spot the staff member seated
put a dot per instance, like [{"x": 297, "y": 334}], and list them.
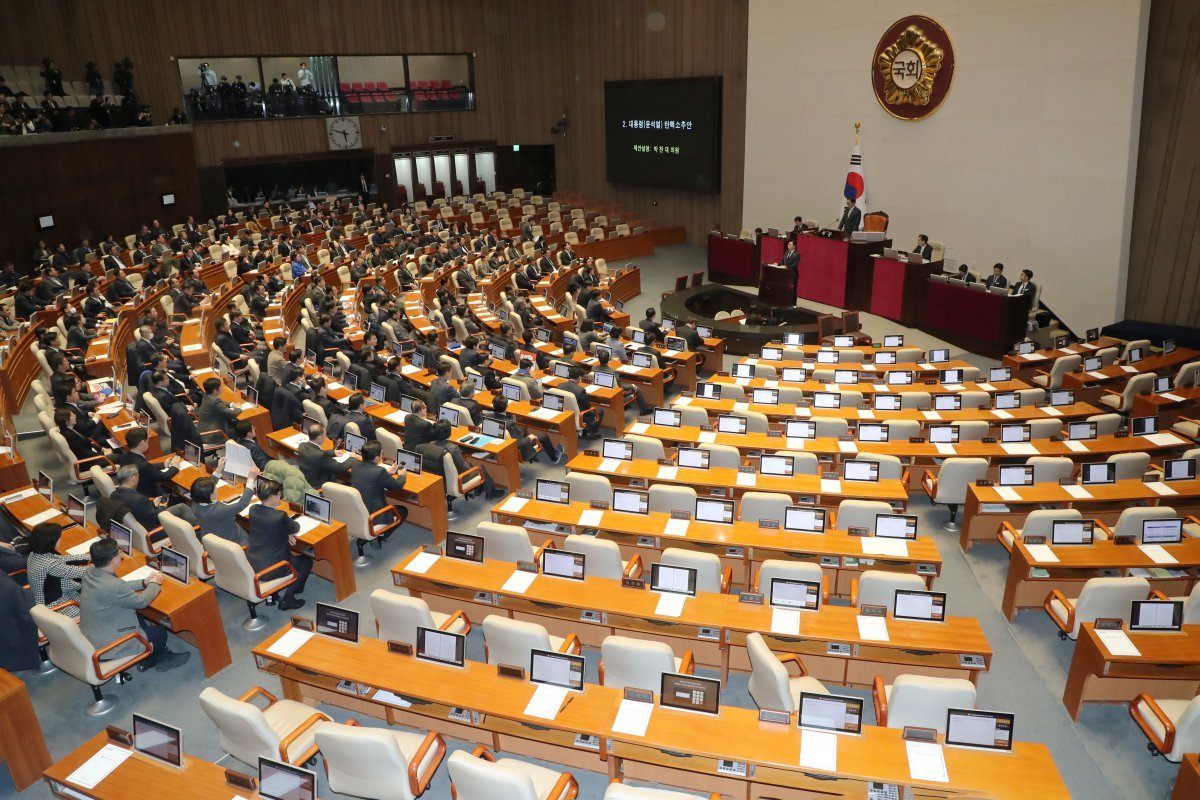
[
  {"x": 923, "y": 248},
  {"x": 144, "y": 509},
  {"x": 964, "y": 274},
  {"x": 996, "y": 280},
  {"x": 318, "y": 464}
]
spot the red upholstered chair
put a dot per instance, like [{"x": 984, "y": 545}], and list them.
[{"x": 697, "y": 279}]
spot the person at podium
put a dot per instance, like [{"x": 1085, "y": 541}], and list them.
[
  {"x": 996, "y": 280},
  {"x": 791, "y": 259},
  {"x": 851, "y": 217},
  {"x": 923, "y": 248},
  {"x": 964, "y": 274}
]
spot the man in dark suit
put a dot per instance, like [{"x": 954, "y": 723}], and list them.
[
  {"x": 244, "y": 435},
  {"x": 50, "y": 287},
  {"x": 923, "y": 248},
  {"x": 1025, "y": 285},
  {"x": 687, "y": 331},
  {"x": 527, "y": 443},
  {"x": 417, "y": 429},
  {"x": 650, "y": 323},
  {"x": 149, "y": 475},
  {"x": 791, "y": 259},
  {"x": 441, "y": 390},
  {"x": 214, "y": 414},
  {"x": 120, "y": 289},
  {"x": 545, "y": 264},
  {"x": 964, "y": 274},
  {"x": 144, "y": 509},
  {"x": 19, "y": 635},
  {"x": 373, "y": 481},
  {"x": 851, "y": 217},
  {"x": 318, "y": 464},
  {"x": 327, "y": 340},
  {"x": 25, "y": 306},
  {"x": 587, "y": 414},
  {"x": 996, "y": 280},
  {"x": 227, "y": 344},
  {"x": 355, "y": 414},
  {"x": 272, "y": 534},
  {"x": 797, "y": 228}
]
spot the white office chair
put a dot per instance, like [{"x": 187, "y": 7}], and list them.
[
  {"x": 505, "y": 542},
  {"x": 755, "y": 506},
  {"x": 479, "y": 776},
  {"x": 602, "y": 557},
  {"x": 1131, "y": 520},
  {"x": 102, "y": 481},
  {"x": 1134, "y": 344},
  {"x": 347, "y": 506},
  {"x": 1123, "y": 401},
  {"x": 1037, "y": 523},
  {"x": 919, "y": 701},
  {"x": 724, "y": 456},
  {"x": 771, "y": 687},
  {"x": 648, "y": 447},
  {"x": 1191, "y": 605},
  {"x": 398, "y": 615},
  {"x": 1053, "y": 378},
  {"x": 1050, "y": 469},
  {"x": 802, "y": 463},
  {"x": 1171, "y": 726},
  {"x": 774, "y": 568},
  {"x": 859, "y": 514},
  {"x": 972, "y": 430},
  {"x": 1100, "y": 597},
  {"x": 949, "y": 488},
  {"x": 691, "y": 417},
  {"x": 283, "y": 731},
  {"x": 587, "y": 488},
  {"x": 458, "y": 484},
  {"x": 182, "y": 538},
  {"x": 1106, "y": 424},
  {"x": 1130, "y": 466},
  {"x": 639, "y": 664},
  {"x": 234, "y": 574},
  {"x": 664, "y": 499},
  {"x": 878, "y": 588},
  {"x": 1044, "y": 428},
  {"x": 510, "y": 641},
  {"x": 1186, "y": 376},
  {"x": 367, "y": 762},
  {"x": 709, "y": 575},
  {"x": 891, "y": 468},
  {"x": 830, "y": 427}
]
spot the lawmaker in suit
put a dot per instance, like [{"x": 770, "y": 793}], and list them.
[
  {"x": 417, "y": 429},
  {"x": 221, "y": 518},
  {"x": 272, "y": 534},
  {"x": 1025, "y": 285},
  {"x": 144, "y": 509},
  {"x": 318, "y": 464},
  {"x": 923, "y": 248},
  {"x": 964, "y": 275},
  {"x": 214, "y": 414},
  {"x": 149, "y": 475},
  {"x": 19, "y": 636},
  {"x": 373, "y": 481},
  {"x": 791, "y": 259},
  {"x": 851, "y": 217},
  {"x": 996, "y": 280}
]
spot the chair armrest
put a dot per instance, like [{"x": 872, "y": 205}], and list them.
[
  {"x": 1168, "y": 740},
  {"x": 879, "y": 695},
  {"x": 1055, "y": 594},
  {"x": 1045, "y": 372},
  {"x": 1191, "y": 519},
  {"x": 112, "y": 646},
  {"x": 571, "y": 645},
  {"x": 929, "y": 483},
  {"x": 1104, "y": 527},
  {"x": 1007, "y": 526},
  {"x": 1113, "y": 391},
  {"x": 214, "y": 431},
  {"x": 854, "y": 592},
  {"x": 482, "y": 752},
  {"x": 82, "y": 466},
  {"x": 547, "y": 545},
  {"x": 687, "y": 664},
  {"x": 255, "y": 692},
  {"x": 417, "y": 784},
  {"x": 455, "y": 617},
  {"x": 1155, "y": 594},
  {"x": 755, "y": 581},
  {"x": 469, "y": 474},
  {"x": 905, "y": 476},
  {"x": 824, "y": 587},
  {"x": 636, "y": 561},
  {"x": 565, "y": 788},
  {"x": 64, "y": 604},
  {"x": 793, "y": 658},
  {"x": 726, "y": 580},
  {"x": 387, "y": 509},
  {"x": 287, "y": 741},
  {"x": 258, "y": 575}
]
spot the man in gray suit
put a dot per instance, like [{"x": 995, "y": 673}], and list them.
[
  {"x": 221, "y": 518},
  {"x": 108, "y": 609},
  {"x": 213, "y": 413}
]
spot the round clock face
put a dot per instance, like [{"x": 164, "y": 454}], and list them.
[{"x": 344, "y": 133}]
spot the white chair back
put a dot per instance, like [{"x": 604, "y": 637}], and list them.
[
  {"x": 504, "y": 542},
  {"x": 636, "y": 663}
]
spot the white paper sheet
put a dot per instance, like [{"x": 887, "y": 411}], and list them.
[
  {"x": 818, "y": 750},
  {"x": 676, "y": 527},
  {"x": 1031, "y": 356},
  {"x": 1164, "y": 439},
  {"x": 830, "y": 486},
  {"x": 953, "y": 387},
  {"x": 632, "y": 718},
  {"x": 670, "y": 604},
  {"x": 683, "y": 401},
  {"x": 1129, "y": 368},
  {"x": 796, "y": 444},
  {"x": 1157, "y": 554},
  {"x": 99, "y": 766},
  {"x": 1174, "y": 398},
  {"x": 544, "y": 413},
  {"x": 1052, "y": 411},
  {"x": 1117, "y": 643},
  {"x": 1041, "y": 553},
  {"x": 391, "y": 699},
  {"x": 875, "y": 546},
  {"x": 945, "y": 449},
  {"x": 747, "y": 479},
  {"x": 42, "y": 516},
  {"x": 307, "y": 525},
  {"x": 848, "y": 447},
  {"x": 1158, "y": 487},
  {"x": 872, "y": 629},
  {"x": 422, "y": 562},
  {"x": 290, "y": 642},
  {"x": 546, "y": 701},
  {"x": 667, "y": 473},
  {"x": 987, "y": 387},
  {"x": 591, "y": 517},
  {"x": 1097, "y": 374},
  {"x": 518, "y": 582},
  {"x": 1019, "y": 449},
  {"x": 931, "y": 415},
  {"x": 82, "y": 548},
  {"x": 295, "y": 440},
  {"x": 139, "y": 574},
  {"x": 610, "y": 464},
  {"x": 1001, "y": 413},
  {"x": 638, "y": 427},
  {"x": 926, "y": 762},
  {"x": 21, "y": 495},
  {"x": 1076, "y": 446},
  {"x": 1008, "y": 494},
  {"x": 743, "y": 382},
  {"x": 513, "y": 504},
  {"x": 1077, "y": 492},
  {"x": 785, "y": 621}
]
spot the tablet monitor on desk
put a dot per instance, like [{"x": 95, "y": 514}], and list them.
[
  {"x": 860, "y": 470},
  {"x": 493, "y": 426},
  {"x": 630, "y": 501},
  {"x": 845, "y": 376},
  {"x": 354, "y": 443},
  {"x": 174, "y": 565},
  {"x": 692, "y": 457},
  {"x": 1072, "y": 531},
  {"x": 668, "y": 324},
  {"x": 1081, "y": 431},
  {"x": 406, "y": 404},
  {"x": 511, "y": 392},
  {"x": 409, "y": 460},
  {"x": 122, "y": 536},
  {"x": 690, "y": 693},
  {"x": 554, "y": 402},
  {"x": 603, "y": 378},
  {"x": 639, "y": 360},
  {"x": 542, "y": 335},
  {"x": 828, "y": 357},
  {"x": 1162, "y": 531},
  {"x": 872, "y": 432},
  {"x": 950, "y": 376},
  {"x": 337, "y": 623},
  {"x": 899, "y": 377},
  {"x": 1026, "y": 347},
  {"x": 843, "y": 341},
  {"x": 556, "y": 669},
  {"x": 562, "y": 370},
  {"x": 943, "y": 434},
  {"x": 1156, "y": 615},
  {"x": 1016, "y": 475},
  {"x": 451, "y": 415},
  {"x": 1162, "y": 384},
  {"x": 771, "y": 354},
  {"x": 45, "y": 486},
  {"x": 498, "y": 351},
  {"x": 987, "y": 730},
  {"x": 279, "y": 781},
  {"x": 1007, "y": 400},
  {"x": 895, "y": 340},
  {"x": 350, "y": 381},
  {"x": 896, "y": 526},
  {"x": 804, "y": 519},
  {"x": 1143, "y": 426},
  {"x": 192, "y": 453},
  {"x": 731, "y": 423},
  {"x": 827, "y": 400},
  {"x": 1098, "y": 474},
  {"x": 464, "y": 547},
  {"x": 1135, "y": 355},
  {"x": 794, "y": 375},
  {"x": 441, "y": 647},
  {"x": 885, "y": 358},
  {"x": 711, "y": 510},
  {"x": 569, "y": 346},
  {"x": 679, "y": 343},
  {"x": 668, "y": 417},
  {"x": 1092, "y": 363},
  {"x": 676, "y": 580},
  {"x": 553, "y": 491},
  {"x": 708, "y": 391},
  {"x": 830, "y": 712},
  {"x": 921, "y": 606},
  {"x": 804, "y": 595},
  {"x": 639, "y": 335},
  {"x": 784, "y": 466},
  {"x": 793, "y": 339},
  {"x": 563, "y": 564},
  {"x": 1168, "y": 347},
  {"x": 251, "y": 395},
  {"x": 743, "y": 370},
  {"x": 999, "y": 375},
  {"x": 418, "y": 360},
  {"x": 1179, "y": 469},
  {"x": 886, "y": 402},
  {"x": 616, "y": 448},
  {"x": 158, "y": 740},
  {"x": 1015, "y": 433},
  {"x": 1062, "y": 397},
  {"x": 765, "y": 397},
  {"x": 76, "y": 509},
  {"x": 317, "y": 507},
  {"x": 799, "y": 429},
  {"x": 947, "y": 402},
  {"x": 940, "y": 356},
  {"x": 377, "y": 392}
]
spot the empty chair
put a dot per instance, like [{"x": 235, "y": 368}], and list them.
[
  {"x": 1044, "y": 428},
  {"x": 831, "y": 428},
  {"x": 919, "y": 701},
  {"x": 182, "y": 538},
  {"x": 283, "y": 731},
  {"x": 1130, "y": 466},
  {"x": 1123, "y": 401},
  {"x": 1172, "y": 727},
  {"x": 510, "y": 641},
  {"x": 589, "y": 488},
  {"x": 891, "y": 468},
  {"x": 1191, "y": 605},
  {"x": 859, "y": 514},
  {"x": 380, "y": 763},
  {"x": 709, "y": 575},
  {"x": 70, "y": 651},
  {"x": 1135, "y": 344},
  {"x": 1038, "y": 523},
  {"x": 691, "y": 417},
  {"x": 915, "y": 400},
  {"x": 234, "y": 574},
  {"x": 756, "y": 422},
  {"x": 802, "y": 463},
  {"x": 1053, "y": 378},
  {"x": 764, "y": 371},
  {"x": 1100, "y": 597},
  {"x": 1108, "y": 356},
  {"x": 774, "y": 568},
  {"x": 1049, "y": 469},
  {"x": 878, "y": 588},
  {"x": 755, "y": 506},
  {"x": 665, "y": 499},
  {"x": 479, "y": 776},
  {"x": 398, "y": 615},
  {"x": 648, "y": 447},
  {"x": 603, "y": 557},
  {"x": 771, "y": 687},
  {"x": 949, "y": 488},
  {"x": 1131, "y": 520},
  {"x": 458, "y": 484},
  {"x": 505, "y": 542},
  {"x": 638, "y": 663},
  {"x": 1106, "y": 424},
  {"x": 1031, "y": 397},
  {"x": 1186, "y": 376},
  {"x": 974, "y": 399},
  {"x": 723, "y": 455}
]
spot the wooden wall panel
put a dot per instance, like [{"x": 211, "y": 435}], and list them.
[{"x": 1164, "y": 258}]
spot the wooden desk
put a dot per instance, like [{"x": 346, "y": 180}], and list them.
[
  {"x": 722, "y": 482},
  {"x": 1025, "y": 366},
  {"x": 1168, "y": 406},
  {"x": 898, "y": 288},
  {"x": 1187, "y": 785},
  {"x": 1077, "y": 563},
  {"x": 22, "y": 746},
  {"x": 869, "y": 388},
  {"x": 836, "y": 272},
  {"x": 1089, "y": 386},
  {"x": 1168, "y": 667},
  {"x": 974, "y": 319},
  {"x": 712, "y": 625},
  {"x": 1106, "y": 504},
  {"x": 743, "y": 545}
]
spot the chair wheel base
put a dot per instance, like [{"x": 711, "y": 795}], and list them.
[
  {"x": 362, "y": 560},
  {"x": 46, "y": 667},
  {"x": 951, "y": 526},
  {"x": 451, "y": 515},
  {"x": 98, "y": 708},
  {"x": 254, "y": 624}
]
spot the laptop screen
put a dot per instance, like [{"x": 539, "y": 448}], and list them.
[
  {"x": 690, "y": 693},
  {"x": 804, "y": 595},
  {"x": 677, "y": 580},
  {"x": 805, "y": 519},
  {"x": 556, "y": 669},
  {"x": 985, "y": 729},
  {"x": 895, "y": 526},
  {"x": 718, "y": 511},
  {"x": 464, "y": 546},
  {"x": 924, "y": 606},
  {"x": 630, "y": 501},
  {"x": 337, "y": 623},
  {"x": 553, "y": 491},
  {"x": 1156, "y": 615},
  {"x": 441, "y": 647},
  {"x": 830, "y": 712}
]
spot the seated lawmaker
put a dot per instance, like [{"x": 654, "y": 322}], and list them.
[
  {"x": 144, "y": 509},
  {"x": 996, "y": 280},
  {"x": 964, "y": 274},
  {"x": 221, "y": 518}
]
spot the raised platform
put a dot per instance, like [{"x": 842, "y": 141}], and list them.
[{"x": 764, "y": 323}]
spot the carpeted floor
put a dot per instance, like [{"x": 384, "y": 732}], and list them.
[{"x": 1103, "y": 756}]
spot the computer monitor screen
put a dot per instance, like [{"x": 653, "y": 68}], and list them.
[
  {"x": 799, "y": 429},
  {"x": 378, "y": 392},
  {"x": 76, "y": 509},
  {"x": 1156, "y": 615},
  {"x": 604, "y": 378},
  {"x": 441, "y": 646},
  {"x": 872, "y": 432},
  {"x": 793, "y": 339},
  {"x": 895, "y": 526},
  {"x": 1081, "y": 431},
  {"x": 563, "y": 564},
  {"x": 511, "y": 392},
  {"x": 719, "y": 511},
  {"x": 1179, "y": 469},
  {"x": 939, "y": 356},
  {"x": 845, "y": 376},
  {"x": 704, "y": 331},
  {"x": 984, "y": 729},
  {"x": 885, "y": 358},
  {"x": 895, "y": 340},
  {"x": 886, "y": 402},
  {"x": 765, "y": 397},
  {"x": 497, "y": 350},
  {"x": 708, "y": 391},
  {"x": 777, "y": 465},
  {"x": 1015, "y": 433},
  {"x": 794, "y": 375},
  {"x": 317, "y": 507},
  {"x": 1168, "y": 347},
  {"x": 449, "y": 414},
  {"x": 900, "y": 377},
  {"x": 678, "y": 342},
  {"x": 158, "y": 740},
  {"x": 677, "y": 580},
  {"x": 354, "y": 442},
  {"x": 45, "y": 486},
  {"x": 553, "y": 491},
  {"x": 542, "y": 334},
  {"x": 350, "y": 381},
  {"x": 999, "y": 374},
  {"x": 828, "y": 357},
  {"x": 924, "y": 606},
  {"x": 1016, "y": 475},
  {"x": 640, "y": 360},
  {"x": 827, "y": 400},
  {"x": 856, "y": 470},
  {"x": 630, "y": 501},
  {"x": 278, "y": 781},
  {"x": 693, "y": 457},
  {"x": 337, "y": 623},
  {"x": 464, "y": 546},
  {"x": 418, "y": 359},
  {"x": 409, "y": 460},
  {"x": 122, "y": 536},
  {"x": 787, "y": 593},
  {"x": 639, "y": 336},
  {"x": 951, "y": 376},
  {"x": 1072, "y": 531},
  {"x": 690, "y": 693},
  {"x": 1162, "y": 384},
  {"x": 730, "y": 423},
  {"x": 668, "y": 324},
  {"x": 943, "y": 434},
  {"x": 743, "y": 370},
  {"x": 615, "y": 448},
  {"x": 556, "y": 669},
  {"x": 1135, "y": 355},
  {"x": 1008, "y": 400},
  {"x": 1162, "y": 531},
  {"x": 1062, "y": 397},
  {"x": 491, "y": 426},
  {"x": 843, "y": 341},
  {"x": 406, "y": 404},
  {"x": 562, "y": 370},
  {"x": 772, "y": 354},
  {"x": 1026, "y": 347},
  {"x": 830, "y": 712},
  {"x": 668, "y": 417},
  {"x": 192, "y": 453},
  {"x": 1143, "y": 426},
  {"x": 251, "y": 395},
  {"x": 173, "y": 564},
  {"x": 1098, "y": 473},
  {"x": 804, "y": 519},
  {"x": 1092, "y": 363}
]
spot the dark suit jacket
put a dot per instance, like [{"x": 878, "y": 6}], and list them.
[
  {"x": 319, "y": 466},
  {"x": 851, "y": 219},
  {"x": 791, "y": 259},
  {"x": 372, "y": 482},
  {"x": 1024, "y": 288},
  {"x": 19, "y": 634},
  {"x": 268, "y": 534},
  {"x": 417, "y": 431},
  {"x": 925, "y": 252},
  {"x": 996, "y": 281},
  {"x": 142, "y": 507},
  {"x": 149, "y": 475}
]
